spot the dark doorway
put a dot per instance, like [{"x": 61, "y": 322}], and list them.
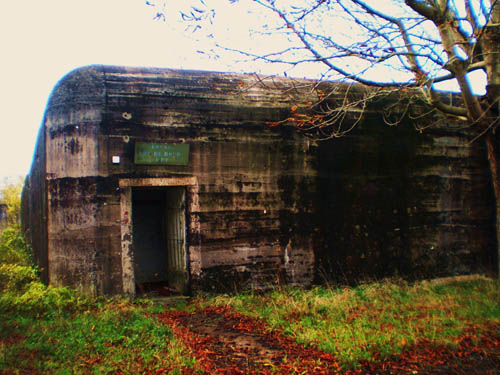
[{"x": 159, "y": 239}]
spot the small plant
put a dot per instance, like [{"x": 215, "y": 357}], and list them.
[
  {"x": 10, "y": 195},
  {"x": 47, "y": 330},
  {"x": 58, "y": 331},
  {"x": 13, "y": 247},
  {"x": 376, "y": 320}
]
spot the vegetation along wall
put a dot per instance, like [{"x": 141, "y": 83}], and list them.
[
  {"x": 3, "y": 216},
  {"x": 174, "y": 181}
]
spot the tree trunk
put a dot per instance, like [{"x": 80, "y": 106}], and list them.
[
  {"x": 493, "y": 155},
  {"x": 491, "y": 51}
]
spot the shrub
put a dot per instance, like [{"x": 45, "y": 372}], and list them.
[
  {"x": 16, "y": 278},
  {"x": 13, "y": 247},
  {"x": 11, "y": 196}
]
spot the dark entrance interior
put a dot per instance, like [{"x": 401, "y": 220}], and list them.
[{"x": 158, "y": 225}]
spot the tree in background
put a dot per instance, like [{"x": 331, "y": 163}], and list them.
[
  {"x": 13, "y": 247},
  {"x": 387, "y": 46},
  {"x": 10, "y": 195}
]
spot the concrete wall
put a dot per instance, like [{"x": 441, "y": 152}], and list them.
[
  {"x": 265, "y": 203},
  {"x": 34, "y": 207},
  {"x": 403, "y": 203}
]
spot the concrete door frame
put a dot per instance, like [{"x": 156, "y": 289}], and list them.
[{"x": 193, "y": 261}]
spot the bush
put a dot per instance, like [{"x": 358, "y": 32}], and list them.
[
  {"x": 13, "y": 247},
  {"x": 16, "y": 278},
  {"x": 22, "y": 292},
  {"x": 59, "y": 331},
  {"x": 11, "y": 196}
]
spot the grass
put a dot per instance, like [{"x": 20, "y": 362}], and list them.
[
  {"x": 45, "y": 330},
  {"x": 13, "y": 248},
  {"x": 48, "y": 330},
  {"x": 376, "y": 320}
]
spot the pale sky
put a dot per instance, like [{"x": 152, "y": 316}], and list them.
[{"x": 42, "y": 40}]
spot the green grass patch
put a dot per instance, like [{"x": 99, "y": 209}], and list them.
[
  {"x": 46, "y": 330},
  {"x": 13, "y": 247},
  {"x": 376, "y": 320}
]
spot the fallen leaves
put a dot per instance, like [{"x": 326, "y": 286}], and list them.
[
  {"x": 269, "y": 351},
  {"x": 226, "y": 342}
]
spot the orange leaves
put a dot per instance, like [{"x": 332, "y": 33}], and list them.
[
  {"x": 273, "y": 123},
  {"x": 299, "y": 119},
  {"x": 477, "y": 351},
  {"x": 216, "y": 355}
]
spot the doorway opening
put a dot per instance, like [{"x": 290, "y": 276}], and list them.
[{"x": 159, "y": 240}]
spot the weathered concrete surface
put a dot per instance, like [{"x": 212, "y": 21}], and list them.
[
  {"x": 267, "y": 205},
  {"x": 404, "y": 203},
  {"x": 34, "y": 207}
]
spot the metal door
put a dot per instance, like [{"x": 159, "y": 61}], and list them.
[
  {"x": 150, "y": 256},
  {"x": 175, "y": 237}
]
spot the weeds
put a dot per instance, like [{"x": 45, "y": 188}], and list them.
[
  {"x": 13, "y": 247},
  {"x": 376, "y": 320},
  {"x": 46, "y": 330}
]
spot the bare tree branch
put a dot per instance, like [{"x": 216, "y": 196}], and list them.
[{"x": 419, "y": 43}]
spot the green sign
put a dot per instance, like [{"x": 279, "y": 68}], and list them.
[{"x": 161, "y": 153}]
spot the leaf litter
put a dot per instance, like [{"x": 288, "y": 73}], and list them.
[{"x": 227, "y": 342}]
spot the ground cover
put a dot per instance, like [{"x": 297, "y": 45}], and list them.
[
  {"x": 378, "y": 328},
  {"x": 227, "y": 342},
  {"x": 375, "y": 320},
  {"x": 385, "y": 327},
  {"x": 46, "y": 330}
]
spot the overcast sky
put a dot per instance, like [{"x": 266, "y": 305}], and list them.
[{"x": 42, "y": 40}]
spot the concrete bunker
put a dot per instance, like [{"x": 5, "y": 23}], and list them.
[
  {"x": 159, "y": 240},
  {"x": 173, "y": 181},
  {"x": 155, "y": 214}
]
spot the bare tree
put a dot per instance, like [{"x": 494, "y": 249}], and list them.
[{"x": 388, "y": 46}]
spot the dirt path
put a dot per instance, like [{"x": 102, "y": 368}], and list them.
[{"x": 225, "y": 342}]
